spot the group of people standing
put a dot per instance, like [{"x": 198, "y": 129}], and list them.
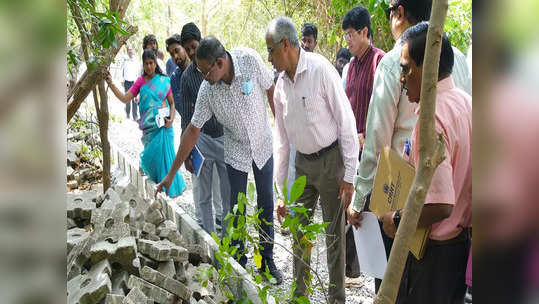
[{"x": 331, "y": 121}]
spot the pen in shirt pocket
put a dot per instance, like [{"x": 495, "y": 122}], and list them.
[{"x": 303, "y": 99}]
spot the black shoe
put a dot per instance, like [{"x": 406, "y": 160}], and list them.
[{"x": 272, "y": 269}]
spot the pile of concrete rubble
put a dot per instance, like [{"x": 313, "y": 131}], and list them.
[{"x": 121, "y": 249}]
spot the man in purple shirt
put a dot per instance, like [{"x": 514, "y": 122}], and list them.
[{"x": 360, "y": 72}]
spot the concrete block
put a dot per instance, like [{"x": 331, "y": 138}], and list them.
[
  {"x": 146, "y": 261},
  {"x": 165, "y": 228},
  {"x": 81, "y": 205},
  {"x": 180, "y": 272},
  {"x": 167, "y": 268},
  {"x": 175, "y": 237},
  {"x": 154, "y": 216},
  {"x": 163, "y": 251},
  {"x": 75, "y": 237},
  {"x": 114, "y": 299},
  {"x": 135, "y": 296},
  {"x": 113, "y": 196},
  {"x": 70, "y": 223},
  {"x": 91, "y": 287},
  {"x": 119, "y": 282},
  {"x": 123, "y": 252},
  {"x": 153, "y": 292},
  {"x": 148, "y": 228},
  {"x": 150, "y": 237},
  {"x": 111, "y": 224},
  {"x": 169, "y": 284}
]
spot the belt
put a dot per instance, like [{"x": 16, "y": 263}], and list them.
[{"x": 317, "y": 155}]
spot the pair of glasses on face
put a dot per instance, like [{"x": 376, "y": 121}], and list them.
[
  {"x": 389, "y": 10},
  {"x": 205, "y": 76},
  {"x": 349, "y": 35},
  {"x": 271, "y": 49}
]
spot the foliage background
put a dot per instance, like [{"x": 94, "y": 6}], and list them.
[{"x": 243, "y": 22}]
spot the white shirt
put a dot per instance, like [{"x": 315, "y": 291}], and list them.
[
  {"x": 312, "y": 112},
  {"x": 130, "y": 69},
  {"x": 391, "y": 116},
  {"x": 242, "y": 112}
]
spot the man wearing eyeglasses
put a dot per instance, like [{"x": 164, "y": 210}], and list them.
[
  {"x": 210, "y": 186},
  {"x": 313, "y": 115},
  {"x": 359, "y": 73},
  {"x": 391, "y": 117},
  {"x": 234, "y": 88}
]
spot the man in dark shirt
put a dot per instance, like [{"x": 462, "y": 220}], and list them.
[
  {"x": 181, "y": 61},
  {"x": 210, "y": 142}
]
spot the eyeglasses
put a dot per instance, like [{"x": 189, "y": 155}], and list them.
[
  {"x": 209, "y": 71},
  {"x": 349, "y": 35},
  {"x": 389, "y": 10},
  {"x": 271, "y": 49}
]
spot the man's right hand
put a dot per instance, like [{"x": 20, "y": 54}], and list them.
[
  {"x": 354, "y": 217},
  {"x": 166, "y": 182},
  {"x": 281, "y": 211},
  {"x": 189, "y": 165}
]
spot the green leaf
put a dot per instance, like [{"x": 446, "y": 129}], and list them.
[
  {"x": 251, "y": 192},
  {"x": 298, "y": 187}
]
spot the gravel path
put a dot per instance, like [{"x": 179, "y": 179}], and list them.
[{"x": 125, "y": 134}]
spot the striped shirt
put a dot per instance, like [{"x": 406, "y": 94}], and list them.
[
  {"x": 359, "y": 80},
  {"x": 311, "y": 112},
  {"x": 189, "y": 85}
]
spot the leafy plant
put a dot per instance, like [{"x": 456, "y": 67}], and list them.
[{"x": 239, "y": 226}]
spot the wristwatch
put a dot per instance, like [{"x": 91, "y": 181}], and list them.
[{"x": 397, "y": 218}]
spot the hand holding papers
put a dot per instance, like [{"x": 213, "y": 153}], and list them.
[
  {"x": 370, "y": 247},
  {"x": 160, "y": 117}
]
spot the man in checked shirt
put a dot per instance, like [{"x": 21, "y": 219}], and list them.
[{"x": 312, "y": 113}]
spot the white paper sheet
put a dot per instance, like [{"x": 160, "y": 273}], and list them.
[{"x": 370, "y": 247}]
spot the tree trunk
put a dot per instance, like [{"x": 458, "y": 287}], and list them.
[
  {"x": 90, "y": 78},
  {"x": 102, "y": 109},
  {"x": 431, "y": 154}
]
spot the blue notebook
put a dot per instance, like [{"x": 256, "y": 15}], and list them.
[{"x": 197, "y": 159}]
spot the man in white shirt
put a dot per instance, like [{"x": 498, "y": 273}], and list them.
[
  {"x": 130, "y": 73},
  {"x": 312, "y": 113}
]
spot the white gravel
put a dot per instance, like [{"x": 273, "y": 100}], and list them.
[{"x": 124, "y": 133}]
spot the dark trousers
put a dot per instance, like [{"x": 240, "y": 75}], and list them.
[
  {"x": 130, "y": 105},
  {"x": 439, "y": 277},
  {"x": 264, "y": 193}
]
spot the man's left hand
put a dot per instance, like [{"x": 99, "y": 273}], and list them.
[
  {"x": 388, "y": 224},
  {"x": 345, "y": 194}
]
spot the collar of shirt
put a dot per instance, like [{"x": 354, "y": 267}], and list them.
[
  {"x": 445, "y": 84},
  {"x": 300, "y": 68}
]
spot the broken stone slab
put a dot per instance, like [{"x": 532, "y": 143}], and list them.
[
  {"x": 112, "y": 196},
  {"x": 180, "y": 272},
  {"x": 153, "y": 292},
  {"x": 165, "y": 228},
  {"x": 175, "y": 237},
  {"x": 69, "y": 172},
  {"x": 135, "y": 296},
  {"x": 80, "y": 205},
  {"x": 169, "y": 284},
  {"x": 119, "y": 282},
  {"x": 146, "y": 261},
  {"x": 148, "y": 228},
  {"x": 82, "y": 174},
  {"x": 163, "y": 250},
  {"x": 150, "y": 237},
  {"x": 71, "y": 223},
  {"x": 167, "y": 268},
  {"x": 76, "y": 236},
  {"x": 123, "y": 252},
  {"x": 114, "y": 299},
  {"x": 91, "y": 287},
  {"x": 197, "y": 254},
  {"x": 154, "y": 216},
  {"x": 111, "y": 224}
]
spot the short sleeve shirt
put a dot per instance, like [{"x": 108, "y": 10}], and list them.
[{"x": 241, "y": 108}]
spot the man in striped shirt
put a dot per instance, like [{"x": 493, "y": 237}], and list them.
[
  {"x": 359, "y": 73},
  {"x": 312, "y": 114}
]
